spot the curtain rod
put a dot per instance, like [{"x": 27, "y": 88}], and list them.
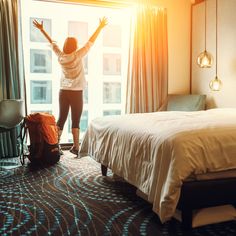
[{"x": 103, "y": 3}]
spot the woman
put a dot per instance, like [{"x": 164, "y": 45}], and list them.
[{"x": 72, "y": 79}]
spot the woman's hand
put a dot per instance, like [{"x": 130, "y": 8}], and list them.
[
  {"x": 38, "y": 25},
  {"x": 103, "y": 22}
]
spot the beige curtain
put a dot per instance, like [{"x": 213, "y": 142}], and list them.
[{"x": 147, "y": 80}]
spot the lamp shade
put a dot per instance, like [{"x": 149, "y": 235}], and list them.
[
  {"x": 205, "y": 59},
  {"x": 215, "y": 84}
]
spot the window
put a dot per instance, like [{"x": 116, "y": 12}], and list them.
[
  {"x": 111, "y": 112},
  {"x": 85, "y": 94},
  {"x": 111, "y": 93},
  {"x": 84, "y": 121},
  {"x": 35, "y": 35},
  {"x": 112, "y": 36},
  {"x": 40, "y": 61},
  {"x": 104, "y": 66},
  {"x": 111, "y": 64},
  {"x": 79, "y": 30},
  {"x": 41, "y": 92},
  {"x": 83, "y": 125},
  {"x": 44, "y": 111}
]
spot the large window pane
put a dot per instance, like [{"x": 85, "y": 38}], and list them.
[
  {"x": 35, "y": 34},
  {"x": 111, "y": 92},
  {"x": 85, "y": 94},
  {"x": 41, "y": 92},
  {"x": 83, "y": 122},
  {"x": 79, "y": 30},
  {"x": 111, "y": 112},
  {"x": 40, "y": 61},
  {"x": 112, "y": 36},
  {"x": 85, "y": 63},
  {"x": 111, "y": 64},
  {"x": 104, "y": 65},
  {"x": 44, "y": 111}
]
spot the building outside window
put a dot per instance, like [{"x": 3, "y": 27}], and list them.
[
  {"x": 105, "y": 65},
  {"x": 111, "y": 112},
  {"x": 111, "y": 92},
  {"x": 115, "y": 40},
  {"x": 111, "y": 64},
  {"x": 83, "y": 123},
  {"x": 79, "y": 30},
  {"x": 41, "y": 92},
  {"x": 35, "y": 35},
  {"x": 40, "y": 61}
]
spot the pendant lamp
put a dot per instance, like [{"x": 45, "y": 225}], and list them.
[
  {"x": 216, "y": 84},
  {"x": 205, "y": 59}
]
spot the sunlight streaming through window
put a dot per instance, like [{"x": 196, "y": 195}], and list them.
[{"x": 105, "y": 65}]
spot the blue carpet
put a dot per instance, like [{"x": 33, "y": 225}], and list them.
[{"x": 73, "y": 198}]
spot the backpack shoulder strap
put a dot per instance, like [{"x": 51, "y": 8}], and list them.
[{"x": 22, "y": 135}]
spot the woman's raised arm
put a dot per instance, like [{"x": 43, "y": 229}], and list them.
[
  {"x": 40, "y": 27},
  {"x": 102, "y": 23}
]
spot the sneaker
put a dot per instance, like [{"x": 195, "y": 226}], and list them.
[{"x": 74, "y": 151}]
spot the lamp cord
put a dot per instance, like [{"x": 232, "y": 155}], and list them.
[
  {"x": 205, "y": 22},
  {"x": 216, "y": 33}
]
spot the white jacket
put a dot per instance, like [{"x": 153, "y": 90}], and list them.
[{"x": 72, "y": 77}]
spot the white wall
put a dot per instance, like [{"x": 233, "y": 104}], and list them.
[{"x": 226, "y": 97}]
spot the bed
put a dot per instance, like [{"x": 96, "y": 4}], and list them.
[{"x": 169, "y": 156}]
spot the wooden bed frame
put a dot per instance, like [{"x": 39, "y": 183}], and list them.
[
  {"x": 201, "y": 194},
  {"x": 205, "y": 193}
]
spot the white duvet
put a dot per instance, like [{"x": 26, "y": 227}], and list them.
[{"x": 157, "y": 151}]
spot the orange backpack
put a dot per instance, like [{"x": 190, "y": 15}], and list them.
[{"x": 43, "y": 135}]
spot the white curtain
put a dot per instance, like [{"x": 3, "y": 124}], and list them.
[{"x": 147, "y": 81}]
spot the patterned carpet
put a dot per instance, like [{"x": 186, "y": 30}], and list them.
[{"x": 73, "y": 198}]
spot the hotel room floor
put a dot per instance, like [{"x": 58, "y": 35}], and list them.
[{"x": 73, "y": 198}]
